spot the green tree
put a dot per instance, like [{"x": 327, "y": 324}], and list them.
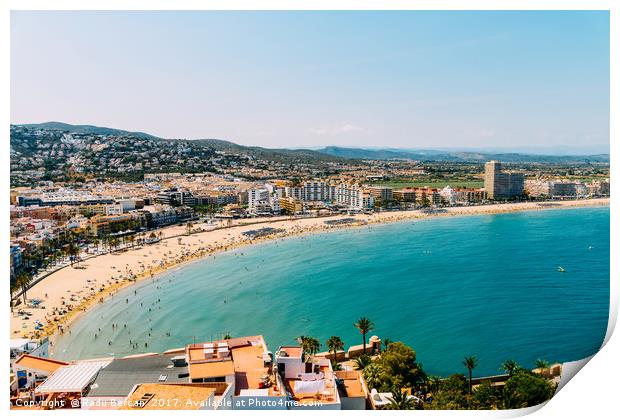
[
  {"x": 526, "y": 389},
  {"x": 364, "y": 325},
  {"x": 470, "y": 362},
  {"x": 486, "y": 397},
  {"x": 399, "y": 367},
  {"x": 452, "y": 394},
  {"x": 334, "y": 344}
]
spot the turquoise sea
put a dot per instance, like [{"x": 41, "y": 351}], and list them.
[{"x": 487, "y": 285}]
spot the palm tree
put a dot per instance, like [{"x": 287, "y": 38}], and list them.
[
  {"x": 386, "y": 342},
  {"x": 63, "y": 254},
  {"x": 364, "y": 325},
  {"x": 400, "y": 400},
  {"x": 14, "y": 289},
  {"x": 362, "y": 361},
  {"x": 510, "y": 367},
  {"x": 58, "y": 255},
  {"x": 470, "y": 363},
  {"x": 114, "y": 242},
  {"x": 432, "y": 384},
  {"x": 334, "y": 343},
  {"x": 106, "y": 242},
  {"x": 372, "y": 375},
  {"x": 310, "y": 345},
  {"x": 542, "y": 365},
  {"x": 96, "y": 242},
  {"x": 73, "y": 250},
  {"x": 23, "y": 282}
]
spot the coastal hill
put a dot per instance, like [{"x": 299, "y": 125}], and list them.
[
  {"x": 87, "y": 129},
  {"x": 223, "y": 146}
]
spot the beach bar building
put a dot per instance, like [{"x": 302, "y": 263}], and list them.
[
  {"x": 32, "y": 370},
  {"x": 69, "y": 383}
]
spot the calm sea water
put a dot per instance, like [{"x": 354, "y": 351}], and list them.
[{"x": 485, "y": 285}]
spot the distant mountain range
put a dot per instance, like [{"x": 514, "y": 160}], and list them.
[
  {"x": 335, "y": 153},
  {"x": 269, "y": 154},
  {"x": 456, "y": 156}
]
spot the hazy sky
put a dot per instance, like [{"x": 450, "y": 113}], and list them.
[{"x": 399, "y": 79}]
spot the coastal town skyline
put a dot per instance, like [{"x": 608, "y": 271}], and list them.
[{"x": 410, "y": 97}]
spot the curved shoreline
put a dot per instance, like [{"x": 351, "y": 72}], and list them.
[{"x": 173, "y": 252}]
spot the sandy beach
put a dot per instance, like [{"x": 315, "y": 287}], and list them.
[{"x": 70, "y": 291}]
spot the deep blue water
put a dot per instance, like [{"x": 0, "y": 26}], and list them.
[{"x": 487, "y": 285}]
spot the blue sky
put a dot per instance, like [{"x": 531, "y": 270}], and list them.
[{"x": 516, "y": 80}]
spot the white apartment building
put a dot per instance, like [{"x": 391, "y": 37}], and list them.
[
  {"x": 448, "y": 195},
  {"x": 257, "y": 195},
  {"x": 354, "y": 197},
  {"x": 538, "y": 187},
  {"x": 297, "y": 193},
  {"x": 319, "y": 191},
  {"x": 315, "y": 190},
  {"x": 556, "y": 188}
]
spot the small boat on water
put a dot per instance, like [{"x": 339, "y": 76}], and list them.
[{"x": 561, "y": 269}]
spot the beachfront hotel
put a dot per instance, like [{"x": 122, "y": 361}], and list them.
[
  {"x": 233, "y": 373},
  {"x": 501, "y": 185}
]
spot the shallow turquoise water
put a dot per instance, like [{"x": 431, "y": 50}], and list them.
[{"x": 485, "y": 285}]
